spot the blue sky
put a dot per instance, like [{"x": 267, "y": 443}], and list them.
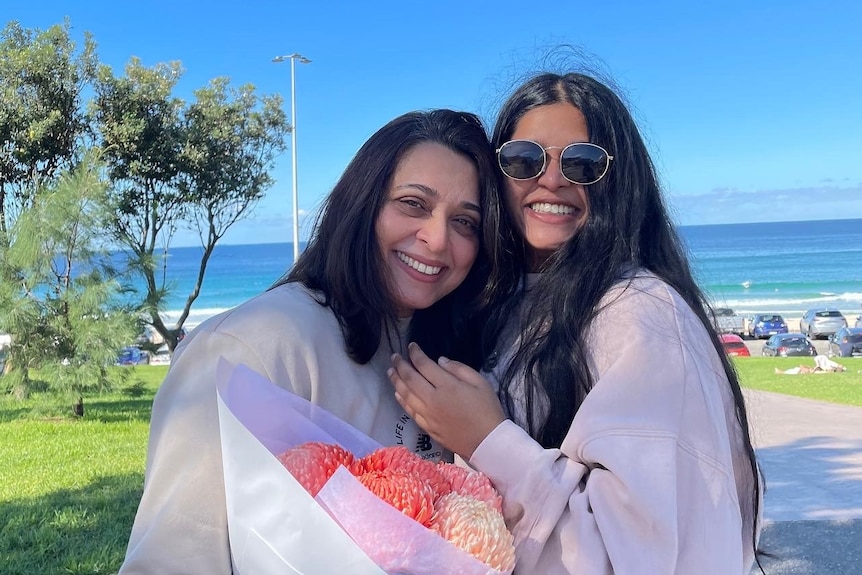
[{"x": 752, "y": 110}]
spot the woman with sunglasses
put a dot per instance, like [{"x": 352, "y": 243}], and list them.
[
  {"x": 620, "y": 439},
  {"x": 400, "y": 250}
]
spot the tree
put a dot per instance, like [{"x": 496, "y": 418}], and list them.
[
  {"x": 140, "y": 125},
  {"x": 203, "y": 166},
  {"x": 232, "y": 139},
  {"x": 62, "y": 305},
  {"x": 42, "y": 117}
]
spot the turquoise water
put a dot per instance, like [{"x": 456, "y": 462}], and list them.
[{"x": 783, "y": 267}]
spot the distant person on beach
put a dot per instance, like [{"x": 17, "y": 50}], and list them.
[
  {"x": 622, "y": 444},
  {"x": 400, "y": 252}
]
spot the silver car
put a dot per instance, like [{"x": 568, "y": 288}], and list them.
[{"x": 821, "y": 322}]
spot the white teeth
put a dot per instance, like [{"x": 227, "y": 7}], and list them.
[
  {"x": 419, "y": 267},
  {"x": 546, "y": 208}
]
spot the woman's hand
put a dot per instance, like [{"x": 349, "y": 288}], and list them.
[{"x": 449, "y": 400}]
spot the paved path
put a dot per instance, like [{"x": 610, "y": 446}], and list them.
[{"x": 811, "y": 454}]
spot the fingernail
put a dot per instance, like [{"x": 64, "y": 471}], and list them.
[
  {"x": 443, "y": 360},
  {"x": 389, "y": 372}
]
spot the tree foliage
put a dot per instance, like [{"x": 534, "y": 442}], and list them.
[
  {"x": 232, "y": 138},
  {"x": 168, "y": 164},
  {"x": 42, "y": 116},
  {"x": 63, "y": 303},
  {"x": 202, "y": 165}
]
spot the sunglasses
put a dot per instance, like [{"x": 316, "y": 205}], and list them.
[{"x": 580, "y": 163}]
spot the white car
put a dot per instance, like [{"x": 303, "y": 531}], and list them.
[{"x": 161, "y": 356}]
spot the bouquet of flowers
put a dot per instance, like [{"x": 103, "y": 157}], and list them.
[{"x": 307, "y": 493}]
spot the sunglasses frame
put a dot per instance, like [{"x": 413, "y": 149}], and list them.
[{"x": 545, "y": 160}]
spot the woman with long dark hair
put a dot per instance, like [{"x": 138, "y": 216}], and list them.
[
  {"x": 401, "y": 251},
  {"x": 622, "y": 444}
]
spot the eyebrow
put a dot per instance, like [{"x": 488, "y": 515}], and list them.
[{"x": 429, "y": 191}]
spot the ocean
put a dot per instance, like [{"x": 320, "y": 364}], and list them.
[{"x": 779, "y": 267}]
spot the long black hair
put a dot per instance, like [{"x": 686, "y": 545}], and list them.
[
  {"x": 343, "y": 262},
  {"x": 628, "y": 228}
]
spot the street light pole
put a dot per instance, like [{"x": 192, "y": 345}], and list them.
[{"x": 302, "y": 60}]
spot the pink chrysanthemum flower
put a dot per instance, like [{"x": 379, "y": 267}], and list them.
[
  {"x": 314, "y": 462},
  {"x": 475, "y": 527},
  {"x": 409, "y": 494},
  {"x": 471, "y": 482},
  {"x": 399, "y": 458}
]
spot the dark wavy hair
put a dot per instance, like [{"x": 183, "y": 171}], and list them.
[
  {"x": 628, "y": 228},
  {"x": 342, "y": 260}
]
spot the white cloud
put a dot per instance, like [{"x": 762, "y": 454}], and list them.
[{"x": 727, "y": 206}]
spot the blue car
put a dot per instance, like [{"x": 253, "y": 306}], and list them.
[
  {"x": 765, "y": 325},
  {"x": 132, "y": 356}
]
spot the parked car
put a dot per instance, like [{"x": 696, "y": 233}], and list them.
[
  {"x": 789, "y": 344},
  {"x": 821, "y": 322},
  {"x": 161, "y": 356},
  {"x": 733, "y": 345},
  {"x": 763, "y": 325},
  {"x": 846, "y": 342},
  {"x": 726, "y": 320},
  {"x": 132, "y": 356}
]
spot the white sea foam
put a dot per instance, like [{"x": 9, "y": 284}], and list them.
[
  {"x": 196, "y": 316},
  {"x": 848, "y": 303}
]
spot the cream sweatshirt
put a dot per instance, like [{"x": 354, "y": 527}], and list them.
[{"x": 285, "y": 335}]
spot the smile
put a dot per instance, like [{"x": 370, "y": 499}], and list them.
[
  {"x": 546, "y": 208},
  {"x": 418, "y": 266}
]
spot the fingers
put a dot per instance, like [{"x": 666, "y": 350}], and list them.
[
  {"x": 449, "y": 400},
  {"x": 462, "y": 372},
  {"x": 410, "y": 386},
  {"x": 444, "y": 371},
  {"x": 411, "y": 377},
  {"x": 429, "y": 369}
]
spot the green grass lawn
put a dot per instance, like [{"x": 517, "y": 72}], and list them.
[
  {"x": 843, "y": 387},
  {"x": 69, "y": 489}
]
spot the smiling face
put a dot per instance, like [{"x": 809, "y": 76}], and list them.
[
  {"x": 548, "y": 210},
  {"x": 428, "y": 227}
]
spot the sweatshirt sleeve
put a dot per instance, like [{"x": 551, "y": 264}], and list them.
[
  {"x": 643, "y": 482},
  {"x": 181, "y": 523}
]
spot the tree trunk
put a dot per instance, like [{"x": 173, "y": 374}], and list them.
[{"x": 78, "y": 408}]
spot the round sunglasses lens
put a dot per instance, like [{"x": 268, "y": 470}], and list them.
[
  {"x": 584, "y": 164},
  {"x": 521, "y": 160}
]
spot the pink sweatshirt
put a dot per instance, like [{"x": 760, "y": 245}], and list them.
[{"x": 652, "y": 477}]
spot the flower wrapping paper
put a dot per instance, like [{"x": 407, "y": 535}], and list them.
[{"x": 275, "y": 526}]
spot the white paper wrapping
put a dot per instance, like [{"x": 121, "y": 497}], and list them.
[{"x": 275, "y": 526}]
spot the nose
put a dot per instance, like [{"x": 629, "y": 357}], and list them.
[
  {"x": 552, "y": 178},
  {"x": 434, "y": 232}
]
